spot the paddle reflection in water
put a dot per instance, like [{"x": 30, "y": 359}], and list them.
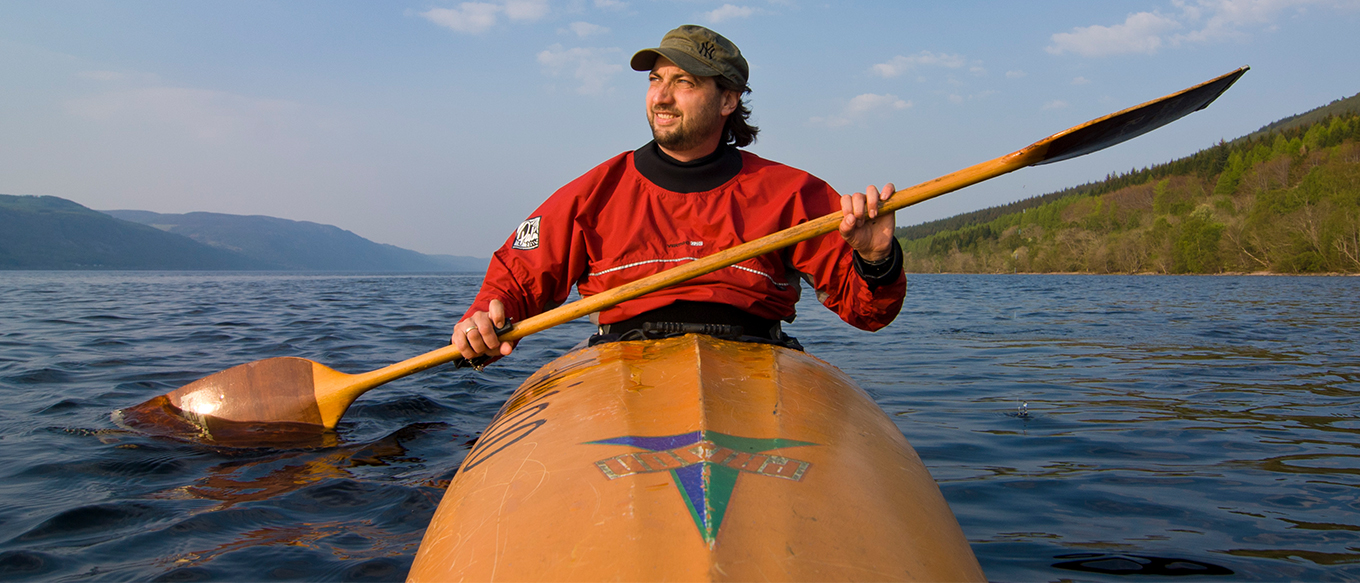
[
  {"x": 1137, "y": 565},
  {"x": 263, "y": 477}
]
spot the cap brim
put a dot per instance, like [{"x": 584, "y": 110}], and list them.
[{"x": 645, "y": 60}]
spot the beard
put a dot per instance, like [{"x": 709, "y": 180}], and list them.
[{"x": 692, "y": 130}]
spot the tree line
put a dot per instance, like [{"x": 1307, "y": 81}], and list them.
[{"x": 1283, "y": 200}]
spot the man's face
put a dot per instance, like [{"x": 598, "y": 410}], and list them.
[{"x": 685, "y": 111}]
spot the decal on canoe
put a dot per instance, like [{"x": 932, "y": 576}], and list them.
[
  {"x": 705, "y": 466},
  {"x": 514, "y": 426}
]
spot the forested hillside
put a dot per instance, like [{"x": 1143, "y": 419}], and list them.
[{"x": 1284, "y": 200}]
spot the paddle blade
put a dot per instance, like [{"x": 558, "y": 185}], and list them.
[
  {"x": 272, "y": 401},
  {"x": 159, "y": 418},
  {"x": 281, "y": 390},
  {"x": 1135, "y": 121}
]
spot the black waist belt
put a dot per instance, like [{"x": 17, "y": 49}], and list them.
[{"x": 697, "y": 318}]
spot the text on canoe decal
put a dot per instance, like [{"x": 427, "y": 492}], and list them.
[
  {"x": 705, "y": 466},
  {"x": 703, "y": 452}
]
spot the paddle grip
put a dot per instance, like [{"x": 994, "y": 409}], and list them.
[{"x": 480, "y": 362}]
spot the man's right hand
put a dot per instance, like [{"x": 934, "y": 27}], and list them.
[
  {"x": 869, "y": 233},
  {"x": 476, "y": 336}
]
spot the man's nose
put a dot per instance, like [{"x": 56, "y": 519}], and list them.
[{"x": 662, "y": 94}]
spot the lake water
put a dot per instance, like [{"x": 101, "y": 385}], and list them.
[{"x": 1085, "y": 428}]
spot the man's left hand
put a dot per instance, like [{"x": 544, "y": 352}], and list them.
[{"x": 868, "y": 233}]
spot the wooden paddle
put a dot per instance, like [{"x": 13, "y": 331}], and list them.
[{"x": 291, "y": 390}]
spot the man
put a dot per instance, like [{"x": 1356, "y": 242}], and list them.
[{"x": 690, "y": 193}]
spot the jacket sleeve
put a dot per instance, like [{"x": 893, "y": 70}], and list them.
[
  {"x": 865, "y": 296},
  {"x": 536, "y": 267}
]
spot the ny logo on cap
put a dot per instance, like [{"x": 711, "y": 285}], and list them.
[{"x": 707, "y": 49}]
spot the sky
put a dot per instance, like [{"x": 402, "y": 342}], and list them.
[{"x": 439, "y": 126}]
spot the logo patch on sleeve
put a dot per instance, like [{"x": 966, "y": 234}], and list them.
[{"x": 526, "y": 236}]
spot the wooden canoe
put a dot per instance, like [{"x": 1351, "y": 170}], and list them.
[{"x": 692, "y": 459}]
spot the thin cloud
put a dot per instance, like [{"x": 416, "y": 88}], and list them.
[
  {"x": 1055, "y": 104},
  {"x": 728, "y": 12},
  {"x": 204, "y": 114},
  {"x": 1080, "y": 81},
  {"x": 979, "y": 96},
  {"x": 1139, "y": 33},
  {"x": 585, "y": 29},
  {"x": 526, "y": 9},
  {"x": 1225, "y": 19},
  {"x": 873, "y": 102},
  {"x": 1016, "y": 74},
  {"x": 469, "y": 17},
  {"x": 102, "y": 75},
  {"x": 120, "y": 77},
  {"x": 901, "y": 64},
  {"x": 1200, "y": 21},
  {"x": 478, "y": 17},
  {"x": 862, "y": 106},
  {"x": 592, "y": 68},
  {"x": 610, "y": 4}
]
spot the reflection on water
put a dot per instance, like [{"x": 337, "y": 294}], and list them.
[
  {"x": 1085, "y": 428},
  {"x": 265, "y": 475},
  {"x": 269, "y": 476},
  {"x": 1137, "y": 565}
]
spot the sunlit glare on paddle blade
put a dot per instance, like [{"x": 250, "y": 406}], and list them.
[{"x": 201, "y": 403}]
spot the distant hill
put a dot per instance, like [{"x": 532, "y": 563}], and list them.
[
  {"x": 297, "y": 245},
  {"x": 1284, "y": 199},
  {"x": 1339, "y": 107},
  {"x": 46, "y": 232}
]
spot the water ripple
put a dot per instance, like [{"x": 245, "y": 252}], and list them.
[{"x": 1091, "y": 427}]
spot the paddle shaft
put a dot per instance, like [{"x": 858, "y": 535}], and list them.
[
  {"x": 1082, "y": 139},
  {"x": 751, "y": 249}
]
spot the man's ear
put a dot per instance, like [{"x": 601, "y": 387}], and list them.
[{"x": 730, "y": 99}]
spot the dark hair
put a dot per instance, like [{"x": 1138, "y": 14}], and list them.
[{"x": 737, "y": 130}]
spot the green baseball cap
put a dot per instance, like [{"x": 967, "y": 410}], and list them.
[{"x": 699, "y": 51}]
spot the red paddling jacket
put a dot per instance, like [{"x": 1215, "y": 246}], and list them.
[{"x": 617, "y": 223}]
